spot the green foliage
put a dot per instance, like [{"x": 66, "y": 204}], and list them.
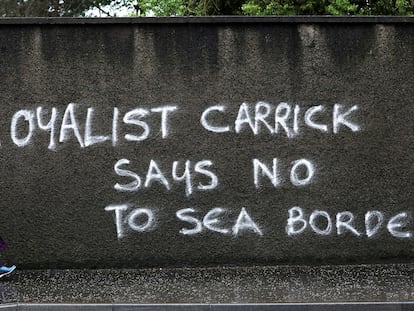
[
  {"x": 13, "y": 8},
  {"x": 276, "y": 7},
  {"x": 214, "y": 7},
  {"x": 45, "y": 8},
  {"x": 404, "y": 7},
  {"x": 341, "y": 7},
  {"x": 161, "y": 8},
  {"x": 284, "y": 7},
  {"x": 300, "y": 7},
  {"x": 324, "y": 7},
  {"x": 78, "y": 7},
  {"x": 27, "y": 8},
  {"x": 187, "y": 7}
]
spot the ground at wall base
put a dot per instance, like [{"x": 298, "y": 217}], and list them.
[{"x": 391, "y": 283}]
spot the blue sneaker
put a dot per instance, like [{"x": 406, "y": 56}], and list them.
[{"x": 6, "y": 270}]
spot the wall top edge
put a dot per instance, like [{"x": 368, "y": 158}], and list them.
[{"x": 207, "y": 20}]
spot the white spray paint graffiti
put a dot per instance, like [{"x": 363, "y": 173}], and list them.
[
  {"x": 345, "y": 223},
  {"x": 282, "y": 119},
  {"x": 28, "y": 116},
  {"x": 261, "y": 169},
  {"x": 70, "y": 123},
  {"x": 211, "y": 221},
  {"x": 135, "y": 125},
  {"x": 140, "y": 219},
  {"x": 309, "y": 116},
  {"x": 50, "y": 126},
  {"x": 191, "y": 172},
  {"x": 25, "y": 123},
  {"x": 89, "y": 138},
  {"x": 144, "y": 220}
]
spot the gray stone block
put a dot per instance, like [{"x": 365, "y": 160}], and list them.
[{"x": 307, "y": 125}]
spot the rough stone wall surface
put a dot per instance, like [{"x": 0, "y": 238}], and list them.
[
  {"x": 341, "y": 144},
  {"x": 360, "y": 284}
]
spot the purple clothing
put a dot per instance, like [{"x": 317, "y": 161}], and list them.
[{"x": 3, "y": 244}]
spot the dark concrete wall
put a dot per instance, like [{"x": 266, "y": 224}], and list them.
[{"x": 53, "y": 197}]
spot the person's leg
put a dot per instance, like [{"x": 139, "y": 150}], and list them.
[{"x": 4, "y": 268}]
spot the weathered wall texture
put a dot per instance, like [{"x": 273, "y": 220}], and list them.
[{"x": 111, "y": 157}]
